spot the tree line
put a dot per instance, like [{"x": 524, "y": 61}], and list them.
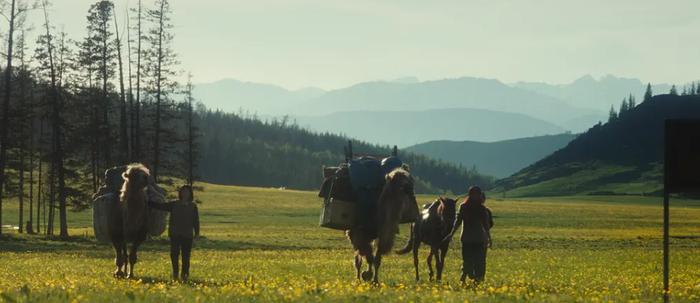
[
  {"x": 72, "y": 108},
  {"x": 629, "y": 103},
  {"x": 242, "y": 149}
]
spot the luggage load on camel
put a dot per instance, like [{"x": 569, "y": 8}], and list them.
[
  {"x": 351, "y": 191},
  {"x": 106, "y": 199}
]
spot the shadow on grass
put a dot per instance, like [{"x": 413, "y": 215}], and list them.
[
  {"x": 42, "y": 243},
  {"x": 189, "y": 283},
  {"x": 237, "y": 245},
  {"x": 154, "y": 280},
  {"x": 93, "y": 248}
]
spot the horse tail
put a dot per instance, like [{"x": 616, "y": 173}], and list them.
[{"x": 409, "y": 245}]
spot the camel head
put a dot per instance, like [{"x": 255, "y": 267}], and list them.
[
  {"x": 135, "y": 177},
  {"x": 398, "y": 189},
  {"x": 400, "y": 182}
]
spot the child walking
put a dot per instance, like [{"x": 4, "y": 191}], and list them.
[
  {"x": 182, "y": 226},
  {"x": 476, "y": 221}
]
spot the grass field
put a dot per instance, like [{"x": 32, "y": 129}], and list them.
[{"x": 264, "y": 245}]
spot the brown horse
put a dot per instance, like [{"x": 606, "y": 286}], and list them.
[
  {"x": 431, "y": 228},
  {"x": 129, "y": 219},
  {"x": 396, "y": 195}
]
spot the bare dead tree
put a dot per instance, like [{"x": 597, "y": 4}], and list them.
[{"x": 123, "y": 132}]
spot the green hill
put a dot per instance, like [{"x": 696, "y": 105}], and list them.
[
  {"x": 499, "y": 159},
  {"x": 623, "y": 156}
]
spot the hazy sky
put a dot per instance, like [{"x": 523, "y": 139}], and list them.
[{"x": 330, "y": 44}]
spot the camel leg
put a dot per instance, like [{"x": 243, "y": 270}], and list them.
[
  {"x": 367, "y": 275},
  {"x": 377, "y": 263},
  {"x": 119, "y": 260},
  {"x": 430, "y": 264},
  {"x": 125, "y": 258},
  {"x": 358, "y": 265},
  {"x": 132, "y": 260}
]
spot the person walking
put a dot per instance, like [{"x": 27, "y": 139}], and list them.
[
  {"x": 182, "y": 226},
  {"x": 476, "y": 221}
]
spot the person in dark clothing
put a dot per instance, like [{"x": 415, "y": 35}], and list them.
[
  {"x": 476, "y": 221},
  {"x": 182, "y": 226}
]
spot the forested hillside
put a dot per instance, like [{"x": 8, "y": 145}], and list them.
[
  {"x": 623, "y": 156},
  {"x": 247, "y": 151}
]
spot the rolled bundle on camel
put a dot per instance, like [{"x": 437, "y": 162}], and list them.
[{"x": 107, "y": 196}]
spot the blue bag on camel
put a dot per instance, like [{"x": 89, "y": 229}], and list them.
[{"x": 367, "y": 179}]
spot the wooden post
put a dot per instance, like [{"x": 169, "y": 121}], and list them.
[
  {"x": 666, "y": 246},
  {"x": 667, "y": 191}
]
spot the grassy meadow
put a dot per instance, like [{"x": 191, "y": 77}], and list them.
[{"x": 264, "y": 245}]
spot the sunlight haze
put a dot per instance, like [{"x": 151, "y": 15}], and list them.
[{"x": 332, "y": 44}]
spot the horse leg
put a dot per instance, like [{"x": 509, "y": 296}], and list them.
[
  {"x": 132, "y": 260},
  {"x": 358, "y": 265},
  {"x": 416, "y": 245},
  {"x": 118, "y": 259},
  {"x": 377, "y": 263},
  {"x": 430, "y": 263},
  {"x": 442, "y": 252}
]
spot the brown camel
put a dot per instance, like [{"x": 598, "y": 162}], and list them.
[
  {"x": 431, "y": 228},
  {"x": 396, "y": 195},
  {"x": 129, "y": 219}
]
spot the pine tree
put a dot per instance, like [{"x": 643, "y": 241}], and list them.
[
  {"x": 631, "y": 103},
  {"x": 57, "y": 160},
  {"x": 161, "y": 62},
  {"x": 103, "y": 51},
  {"x": 673, "y": 91},
  {"x": 192, "y": 132},
  {"x": 648, "y": 94},
  {"x": 136, "y": 148},
  {"x": 16, "y": 12},
  {"x": 613, "y": 114},
  {"x": 22, "y": 115},
  {"x": 624, "y": 107}
]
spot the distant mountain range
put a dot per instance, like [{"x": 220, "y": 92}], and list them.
[
  {"x": 499, "y": 159},
  {"x": 360, "y": 110},
  {"x": 598, "y": 94},
  {"x": 474, "y": 93},
  {"x": 232, "y": 96},
  {"x": 404, "y": 128},
  {"x": 624, "y": 156}
]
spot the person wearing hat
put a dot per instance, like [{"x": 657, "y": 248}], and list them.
[{"x": 476, "y": 221}]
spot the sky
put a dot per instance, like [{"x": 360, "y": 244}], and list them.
[{"x": 332, "y": 44}]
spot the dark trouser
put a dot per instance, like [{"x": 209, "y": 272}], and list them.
[
  {"x": 474, "y": 260},
  {"x": 178, "y": 244}
]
